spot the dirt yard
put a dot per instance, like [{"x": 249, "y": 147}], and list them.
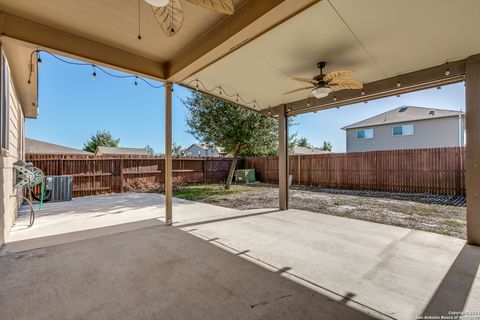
[{"x": 402, "y": 210}]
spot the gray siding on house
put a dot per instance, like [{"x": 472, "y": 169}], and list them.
[{"x": 434, "y": 133}]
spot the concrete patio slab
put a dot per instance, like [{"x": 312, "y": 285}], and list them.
[{"x": 95, "y": 250}]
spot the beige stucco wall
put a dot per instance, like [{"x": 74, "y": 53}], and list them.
[
  {"x": 9, "y": 202},
  {"x": 434, "y": 133}
]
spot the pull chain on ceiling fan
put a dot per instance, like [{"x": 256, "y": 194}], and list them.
[{"x": 169, "y": 13}]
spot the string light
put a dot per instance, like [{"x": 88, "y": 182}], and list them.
[
  {"x": 334, "y": 98},
  {"x": 84, "y": 64},
  {"x": 363, "y": 92},
  {"x": 39, "y": 61},
  {"x": 399, "y": 84},
  {"x": 447, "y": 72},
  {"x": 234, "y": 96}
]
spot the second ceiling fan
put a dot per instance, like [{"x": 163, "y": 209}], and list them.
[{"x": 322, "y": 85}]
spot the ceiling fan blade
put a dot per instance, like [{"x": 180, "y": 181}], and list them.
[
  {"x": 338, "y": 74},
  {"x": 170, "y": 17},
  {"x": 297, "y": 90},
  {"x": 346, "y": 84},
  {"x": 220, "y": 6},
  {"x": 312, "y": 81}
]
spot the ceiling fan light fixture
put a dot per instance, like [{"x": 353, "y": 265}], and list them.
[
  {"x": 321, "y": 92},
  {"x": 158, "y": 3}
]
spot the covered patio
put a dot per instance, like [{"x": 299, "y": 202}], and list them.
[
  {"x": 120, "y": 257},
  {"x": 111, "y": 256}
]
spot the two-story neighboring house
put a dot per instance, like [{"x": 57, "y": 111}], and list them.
[
  {"x": 203, "y": 150},
  {"x": 407, "y": 127}
]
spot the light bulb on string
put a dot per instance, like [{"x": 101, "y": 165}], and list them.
[
  {"x": 94, "y": 74},
  {"x": 39, "y": 61}
]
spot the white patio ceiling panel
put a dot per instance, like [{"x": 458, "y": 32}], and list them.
[{"x": 378, "y": 38}]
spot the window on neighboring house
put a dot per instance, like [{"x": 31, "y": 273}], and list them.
[
  {"x": 403, "y": 130},
  {"x": 5, "y": 102},
  {"x": 365, "y": 134}
]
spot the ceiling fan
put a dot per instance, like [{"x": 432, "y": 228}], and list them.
[
  {"x": 169, "y": 13},
  {"x": 322, "y": 84}
]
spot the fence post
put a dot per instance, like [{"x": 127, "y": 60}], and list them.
[
  {"x": 61, "y": 166},
  {"x": 298, "y": 169},
  {"x": 203, "y": 169},
  {"x": 121, "y": 174}
]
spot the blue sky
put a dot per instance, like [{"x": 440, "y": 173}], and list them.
[{"x": 73, "y": 106}]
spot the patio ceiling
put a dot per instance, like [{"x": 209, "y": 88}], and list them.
[
  {"x": 380, "y": 39},
  {"x": 254, "y": 52}
]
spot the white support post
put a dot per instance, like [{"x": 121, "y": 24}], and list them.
[
  {"x": 283, "y": 160},
  {"x": 472, "y": 99},
  {"x": 168, "y": 153}
]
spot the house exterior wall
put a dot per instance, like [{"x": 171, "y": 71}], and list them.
[
  {"x": 432, "y": 133},
  {"x": 15, "y": 151},
  {"x": 196, "y": 151}
]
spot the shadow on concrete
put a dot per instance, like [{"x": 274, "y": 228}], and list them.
[
  {"x": 453, "y": 291},
  {"x": 234, "y": 217},
  {"x": 154, "y": 272}
]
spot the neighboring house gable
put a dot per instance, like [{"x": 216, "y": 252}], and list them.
[
  {"x": 407, "y": 127},
  {"x": 203, "y": 150},
  {"x": 33, "y": 146},
  {"x": 113, "y": 151}
]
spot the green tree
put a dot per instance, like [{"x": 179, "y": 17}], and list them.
[
  {"x": 149, "y": 150},
  {"x": 327, "y": 146},
  {"x": 101, "y": 138},
  {"x": 238, "y": 130},
  {"x": 303, "y": 142},
  {"x": 178, "y": 151}
]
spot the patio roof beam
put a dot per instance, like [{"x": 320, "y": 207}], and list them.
[
  {"x": 250, "y": 21},
  {"x": 443, "y": 74},
  {"x": 59, "y": 41}
]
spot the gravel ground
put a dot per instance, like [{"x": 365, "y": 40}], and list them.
[{"x": 387, "y": 208}]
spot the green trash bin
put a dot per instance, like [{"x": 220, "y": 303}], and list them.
[{"x": 245, "y": 176}]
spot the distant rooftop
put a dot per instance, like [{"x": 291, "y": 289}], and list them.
[
  {"x": 297, "y": 150},
  {"x": 404, "y": 114},
  {"x": 110, "y": 151},
  {"x": 33, "y": 146}
]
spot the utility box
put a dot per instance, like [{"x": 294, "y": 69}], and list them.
[
  {"x": 245, "y": 176},
  {"x": 59, "y": 187}
]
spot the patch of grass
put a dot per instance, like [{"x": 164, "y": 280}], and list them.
[
  {"x": 204, "y": 191},
  {"x": 454, "y": 223}
]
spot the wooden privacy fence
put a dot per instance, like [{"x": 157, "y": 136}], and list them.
[
  {"x": 436, "y": 170},
  {"x": 94, "y": 175}
]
